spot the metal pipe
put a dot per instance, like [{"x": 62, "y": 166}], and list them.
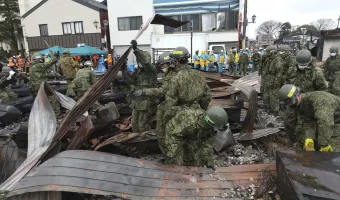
[{"x": 192, "y": 30}]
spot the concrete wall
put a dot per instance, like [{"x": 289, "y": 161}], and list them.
[
  {"x": 55, "y": 12},
  {"x": 328, "y": 43},
  {"x": 129, "y": 8}
]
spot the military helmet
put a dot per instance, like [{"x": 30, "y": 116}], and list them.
[
  {"x": 285, "y": 47},
  {"x": 6, "y": 69},
  {"x": 119, "y": 75},
  {"x": 303, "y": 57},
  {"x": 334, "y": 49},
  {"x": 288, "y": 93},
  {"x": 66, "y": 51},
  {"x": 36, "y": 57},
  {"x": 216, "y": 117},
  {"x": 271, "y": 48},
  {"x": 180, "y": 53},
  {"x": 164, "y": 58},
  {"x": 88, "y": 64}
]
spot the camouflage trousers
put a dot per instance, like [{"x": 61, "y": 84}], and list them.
[
  {"x": 243, "y": 69},
  {"x": 232, "y": 68},
  {"x": 188, "y": 150},
  {"x": 140, "y": 120},
  {"x": 70, "y": 92},
  {"x": 290, "y": 121},
  {"x": 255, "y": 67},
  {"x": 7, "y": 96},
  {"x": 273, "y": 97}
]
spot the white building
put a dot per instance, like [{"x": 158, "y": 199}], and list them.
[
  {"x": 63, "y": 22},
  {"x": 214, "y": 22}
]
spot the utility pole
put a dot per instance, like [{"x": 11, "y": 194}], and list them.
[
  {"x": 245, "y": 22},
  {"x": 338, "y": 22},
  {"x": 192, "y": 34}
]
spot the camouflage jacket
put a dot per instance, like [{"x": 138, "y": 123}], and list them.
[
  {"x": 309, "y": 79},
  {"x": 273, "y": 71},
  {"x": 289, "y": 68},
  {"x": 256, "y": 58},
  {"x": 144, "y": 77},
  {"x": 66, "y": 67},
  {"x": 38, "y": 71},
  {"x": 317, "y": 108},
  {"x": 244, "y": 59},
  {"x": 331, "y": 66},
  {"x": 84, "y": 79},
  {"x": 187, "y": 87},
  {"x": 160, "y": 92}
]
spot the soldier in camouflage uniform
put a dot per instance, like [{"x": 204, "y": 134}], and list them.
[
  {"x": 263, "y": 73},
  {"x": 332, "y": 71},
  {"x": 6, "y": 79},
  {"x": 144, "y": 77},
  {"x": 232, "y": 59},
  {"x": 256, "y": 60},
  {"x": 38, "y": 75},
  {"x": 189, "y": 135},
  {"x": 187, "y": 88},
  {"x": 84, "y": 79},
  {"x": 308, "y": 78},
  {"x": 38, "y": 72},
  {"x": 273, "y": 79},
  {"x": 289, "y": 65},
  {"x": 66, "y": 67},
  {"x": 315, "y": 112},
  {"x": 244, "y": 63}
]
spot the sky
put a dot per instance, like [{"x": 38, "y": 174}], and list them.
[{"x": 297, "y": 12}]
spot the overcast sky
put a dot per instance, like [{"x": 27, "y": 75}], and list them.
[{"x": 297, "y": 12}]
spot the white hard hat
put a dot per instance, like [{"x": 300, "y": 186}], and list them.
[
  {"x": 222, "y": 50},
  {"x": 247, "y": 48}
]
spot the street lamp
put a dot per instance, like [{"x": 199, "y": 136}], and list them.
[
  {"x": 304, "y": 31},
  {"x": 106, "y": 23},
  {"x": 338, "y": 22},
  {"x": 245, "y": 24},
  {"x": 253, "y": 18}
]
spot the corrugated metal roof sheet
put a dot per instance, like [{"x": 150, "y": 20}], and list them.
[{"x": 108, "y": 174}]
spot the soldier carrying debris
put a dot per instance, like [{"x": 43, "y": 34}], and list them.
[
  {"x": 315, "y": 117},
  {"x": 144, "y": 77},
  {"x": 7, "y": 77}
]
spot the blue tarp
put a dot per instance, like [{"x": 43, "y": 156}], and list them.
[
  {"x": 86, "y": 51},
  {"x": 131, "y": 68},
  {"x": 54, "y": 49}
]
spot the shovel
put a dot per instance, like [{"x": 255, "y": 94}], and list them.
[{"x": 223, "y": 139}]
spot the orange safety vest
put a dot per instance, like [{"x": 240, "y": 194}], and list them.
[
  {"x": 20, "y": 62},
  {"x": 10, "y": 62},
  {"x": 109, "y": 60}
]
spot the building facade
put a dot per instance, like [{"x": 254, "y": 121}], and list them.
[
  {"x": 64, "y": 23},
  {"x": 264, "y": 40},
  {"x": 213, "y": 22}
]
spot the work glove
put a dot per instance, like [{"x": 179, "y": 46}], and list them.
[
  {"x": 138, "y": 93},
  {"x": 309, "y": 145},
  {"x": 134, "y": 44},
  {"x": 326, "y": 148},
  {"x": 51, "y": 54}
]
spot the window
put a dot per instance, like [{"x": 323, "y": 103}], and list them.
[
  {"x": 43, "y": 29},
  {"x": 78, "y": 27},
  {"x": 129, "y": 23},
  {"x": 67, "y": 28},
  {"x": 196, "y": 23}
]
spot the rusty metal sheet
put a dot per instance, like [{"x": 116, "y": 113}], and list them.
[
  {"x": 107, "y": 174},
  {"x": 82, "y": 134},
  {"x": 308, "y": 175},
  {"x": 256, "y": 134},
  {"x": 227, "y": 103},
  {"x": 252, "y": 79},
  {"x": 38, "y": 196},
  {"x": 42, "y": 126}
]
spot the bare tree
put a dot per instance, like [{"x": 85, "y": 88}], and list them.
[
  {"x": 324, "y": 24},
  {"x": 269, "y": 27}
]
